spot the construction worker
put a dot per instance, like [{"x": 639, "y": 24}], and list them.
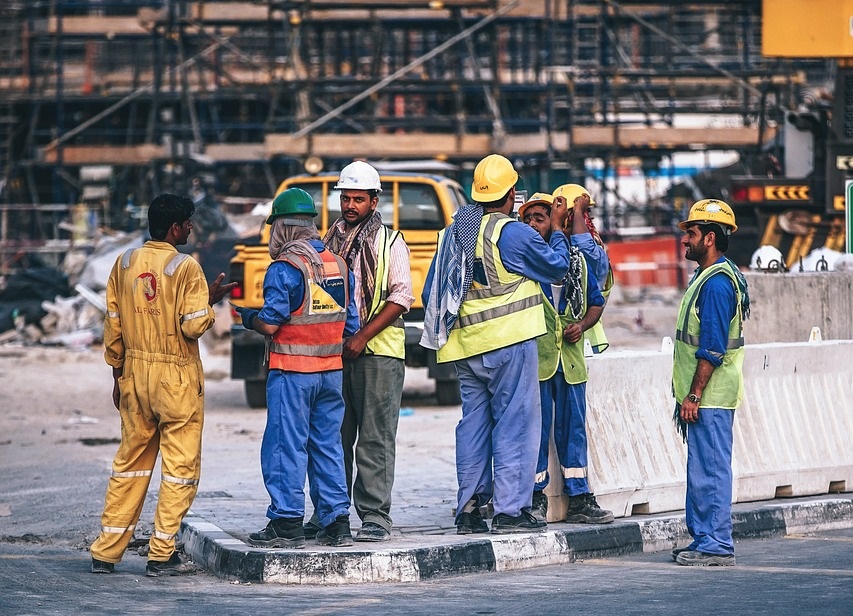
[
  {"x": 572, "y": 306},
  {"x": 158, "y": 306},
  {"x": 585, "y": 237},
  {"x": 707, "y": 380},
  {"x": 308, "y": 309},
  {"x": 483, "y": 310},
  {"x": 374, "y": 355}
]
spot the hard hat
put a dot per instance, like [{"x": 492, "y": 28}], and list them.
[
  {"x": 292, "y": 202},
  {"x": 493, "y": 178},
  {"x": 767, "y": 257},
  {"x": 359, "y": 175},
  {"x": 710, "y": 210},
  {"x": 572, "y": 192},
  {"x": 543, "y": 199}
]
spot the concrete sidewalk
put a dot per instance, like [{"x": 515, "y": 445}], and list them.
[
  {"x": 232, "y": 503},
  {"x": 422, "y": 552}
]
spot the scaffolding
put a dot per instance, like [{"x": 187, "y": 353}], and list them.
[{"x": 242, "y": 93}]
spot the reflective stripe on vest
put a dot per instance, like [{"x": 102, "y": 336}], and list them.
[
  {"x": 554, "y": 350},
  {"x": 505, "y": 310},
  {"x": 312, "y": 340},
  {"x": 725, "y": 387},
  {"x": 391, "y": 341}
]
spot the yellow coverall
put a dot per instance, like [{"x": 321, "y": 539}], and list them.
[{"x": 157, "y": 308}]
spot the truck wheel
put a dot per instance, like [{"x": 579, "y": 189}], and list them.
[
  {"x": 256, "y": 394},
  {"x": 447, "y": 392}
]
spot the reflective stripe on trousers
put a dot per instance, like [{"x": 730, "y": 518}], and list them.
[
  {"x": 566, "y": 404},
  {"x": 161, "y": 410}
]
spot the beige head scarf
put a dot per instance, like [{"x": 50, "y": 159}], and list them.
[{"x": 289, "y": 235}]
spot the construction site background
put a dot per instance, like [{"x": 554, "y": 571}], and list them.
[{"x": 106, "y": 103}]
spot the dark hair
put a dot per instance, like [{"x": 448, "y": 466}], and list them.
[
  {"x": 490, "y": 205},
  {"x": 167, "y": 210},
  {"x": 721, "y": 238}
]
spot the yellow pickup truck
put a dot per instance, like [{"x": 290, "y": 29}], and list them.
[{"x": 418, "y": 205}]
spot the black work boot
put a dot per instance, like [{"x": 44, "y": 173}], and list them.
[
  {"x": 471, "y": 522},
  {"x": 101, "y": 566},
  {"x": 540, "y": 505},
  {"x": 523, "y": 523},
  {"x": 583, "y": 509},
  {"x": 311, "y": 528},
  {"x": 337, "y": 534},
  {"x": 280, "y": 533},
  {"x": 173, "y": 566}
]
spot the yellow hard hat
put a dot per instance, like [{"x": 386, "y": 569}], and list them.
[
  {"x": 710, "y": 210},
  {"x": 493, "y": 177},
  {"x": 543, "y": 199},
  {"x": 572, "y": 192}
]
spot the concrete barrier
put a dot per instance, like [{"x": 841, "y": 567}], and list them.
[{"x": 791, "y": 435}]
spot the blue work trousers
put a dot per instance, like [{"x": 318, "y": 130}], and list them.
[
  {"x": 303, "y": 435},
  {"x": 708, "y": 507},
  {"x": 499, "y": 428},
  {"x": 566, "y": 404}
]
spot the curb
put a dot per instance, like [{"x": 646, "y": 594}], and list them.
[{"x": 230, "y": 558}]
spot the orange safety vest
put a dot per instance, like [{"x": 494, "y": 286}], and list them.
[{"x": 312, "y": 340}]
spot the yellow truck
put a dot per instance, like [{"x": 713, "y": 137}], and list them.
[{"x": 418, "y": 205}]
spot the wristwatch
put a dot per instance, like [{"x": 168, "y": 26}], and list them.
[{"x": 693, "y": 398}]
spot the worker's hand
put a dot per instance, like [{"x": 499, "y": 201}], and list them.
[
  {"x": 572, "y": 333},
  {"x": 581, "y": 205},
  {"x": 116, "y": 393},
  {"x": 247, "y": 316},
  {"x": 354, "y": 346},
  {"x": 689, "y": 411},
  {"x": 217, "y": 290},
  {"x": 559, "y": 214}
]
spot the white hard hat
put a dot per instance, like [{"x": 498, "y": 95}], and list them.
[
  {"x": 767, "y": 257},
  {"x": 359, "y": 175}
]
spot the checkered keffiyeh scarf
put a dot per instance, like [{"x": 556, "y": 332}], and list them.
[
  {"x": 454, "y": 271},
  {"x": 356, "y": 247}
]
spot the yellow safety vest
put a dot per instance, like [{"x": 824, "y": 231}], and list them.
[
  {"x": 506, "y": 310},
  {"x": 554, "y": 350},
  {"x": 391, "y": 341},
  {"x": 595, "y": 334},
  {"x": 725, "y": 388}
]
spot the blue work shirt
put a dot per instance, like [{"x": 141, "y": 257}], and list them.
[
  {"x": 595, "y": 255},
  {"x": 717, "y": 303},
  {"x": 284, "y": 291},
  {"x": 524, "y": 252},
  {"x": 593, "y": 293}
]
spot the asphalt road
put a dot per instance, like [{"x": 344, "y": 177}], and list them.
[{"x": 784, "y": 577}]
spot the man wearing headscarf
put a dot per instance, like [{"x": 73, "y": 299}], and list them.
[{"x": 308, "y": 309}]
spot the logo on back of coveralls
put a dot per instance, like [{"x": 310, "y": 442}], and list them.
[{"x": 149, "y": 285}]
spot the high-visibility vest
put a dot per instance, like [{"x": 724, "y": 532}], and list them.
[
  {"x": 391, "y": 341},
  {"x": 595, "y": 334},
  {"x": 312, "y": 340},
  {"x": 505, "y": 310},
  {"x": 725, "y": 388},
  {"x": 554, "y": 350}
]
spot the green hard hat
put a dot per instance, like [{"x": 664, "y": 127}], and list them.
[{"x": 292, "y": 202}]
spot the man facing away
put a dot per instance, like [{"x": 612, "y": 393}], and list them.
[
  {"x": 374, "y": 355},
  {"x": 308, "y": 309},
  {"x": 158, "y": 306},
  {"x": 572, "y": 306},
  {"x": 707, "y": 380},
  {"x": 483, "y": 312}
]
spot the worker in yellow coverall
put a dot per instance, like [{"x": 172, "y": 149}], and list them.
[{"x": 158, "y": 305}]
